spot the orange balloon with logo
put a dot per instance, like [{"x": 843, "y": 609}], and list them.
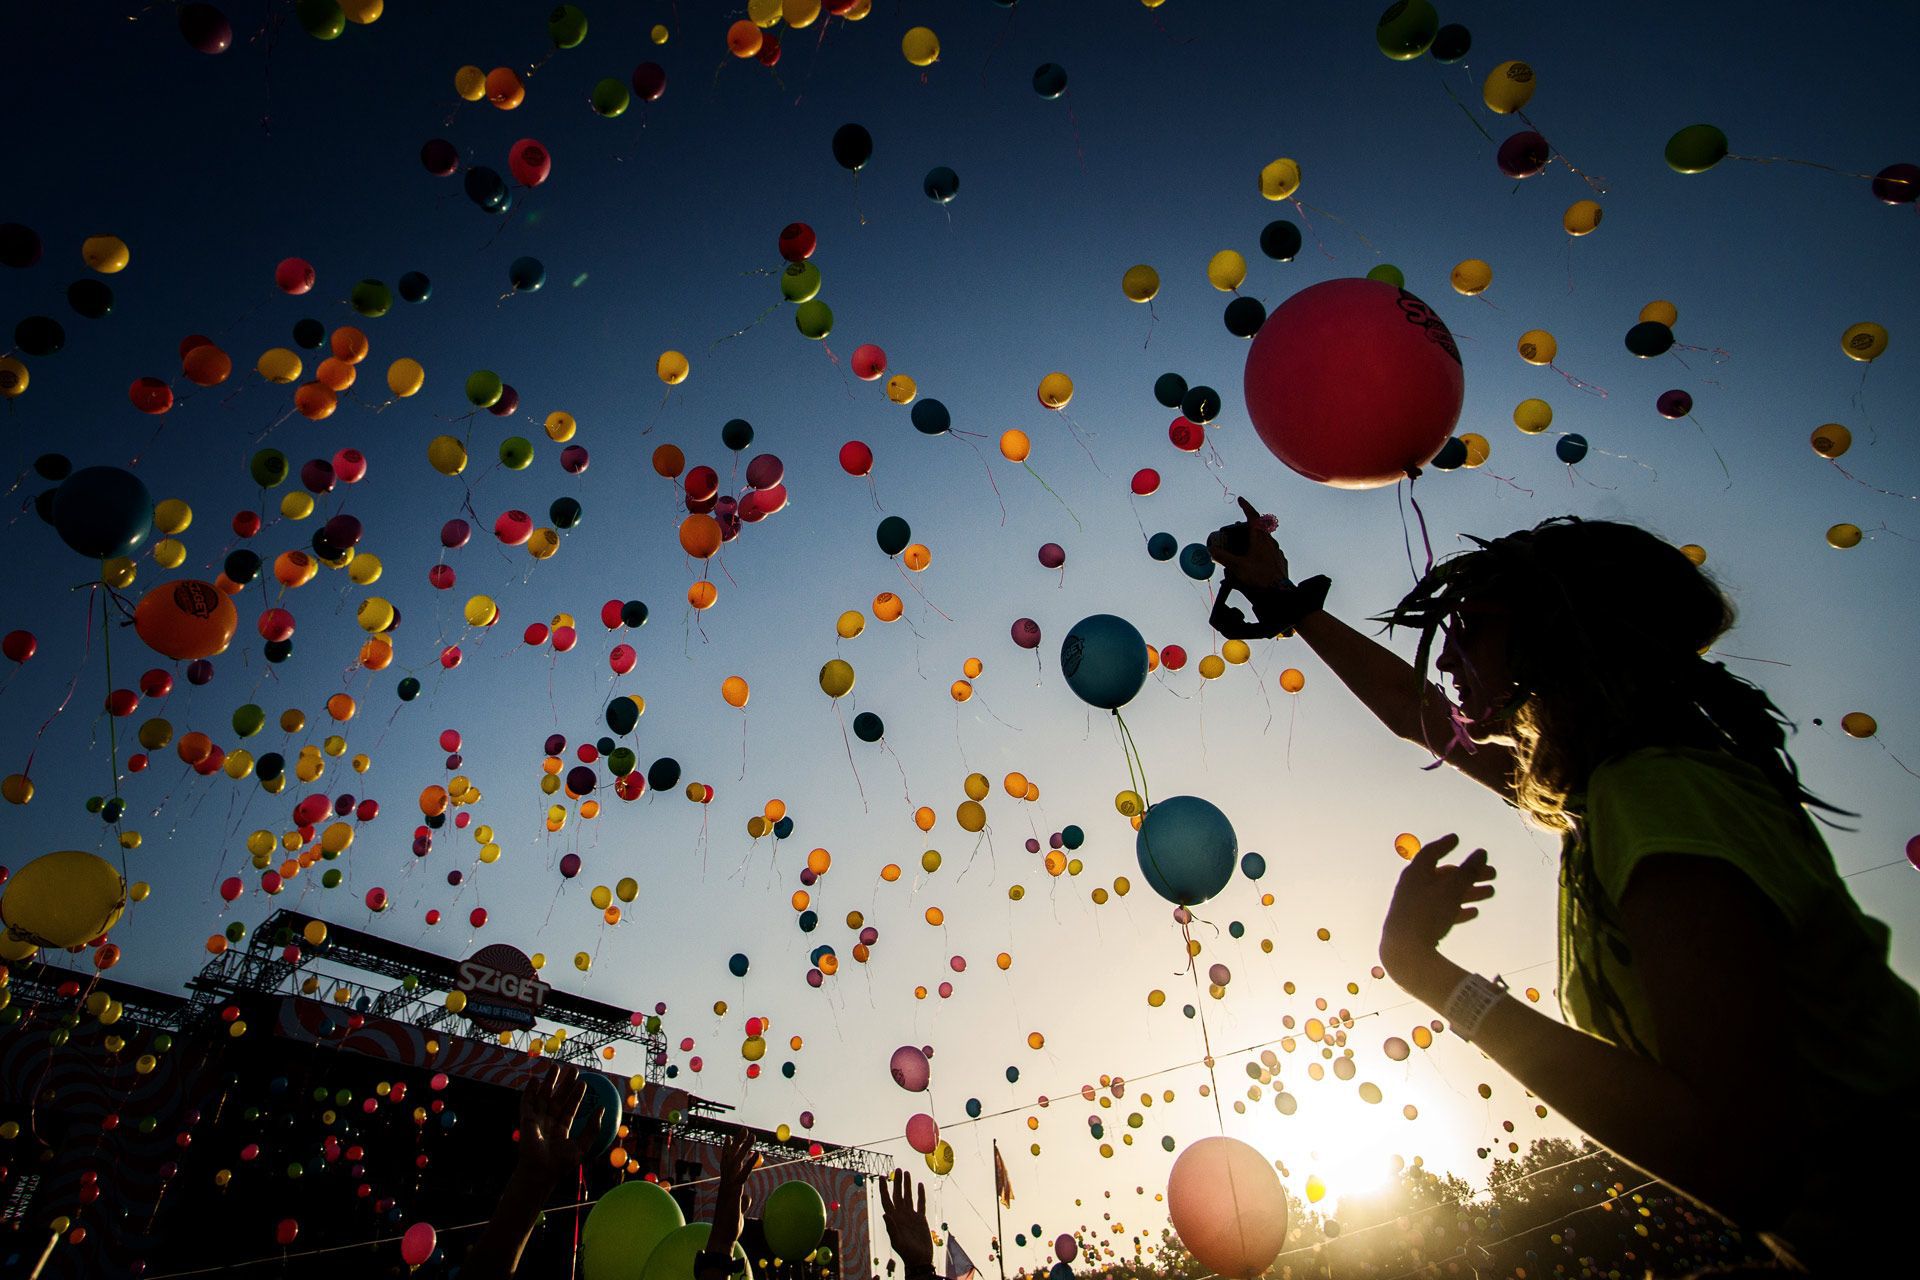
[{"x": 186, "y": 620}]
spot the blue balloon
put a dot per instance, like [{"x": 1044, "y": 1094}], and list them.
[
  {"x": 1186, "y": 849},
  {"x": 1163, "y": 546},
  {"x": 783, "y": 828},
  {"x": 1013, "y": 1075},
  {"x": 527, "y": 274},
  {"x": 930, "y": 417},
  {"x": 941, "y": 185},
  {"x": 599, "y": 1113},
  {"x": 868, "y": 727},
  {"x": 1061, "y": 1271},
  {"x": 1570, "y": 448},
  {"x": 415, "y": 287},
  {"x": 1072, "y": 837},
  {"x": 1104, "y": 659},
  {"x": 973, "y": 1108},
  {"x": 1195, "y": 562},
  {"x": 103, "y": 511},
  {"x": 737, "y": 965},
  {"x": 1252, "y": 865}
]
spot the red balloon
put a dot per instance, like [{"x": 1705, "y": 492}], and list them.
[
  {"x": 1187, "y": 435},
  {"x": 868, "y": 362},
  {"x": 276, "y": 624},
  {"x": 289, "y": 1229},
  {"x": 769, "y": 54},
  {"x": 622, "y": 659},
  {"x": 536, "y": 633},
  {"x": 350, "y": 465},
  {"x": 610, "y": 615},
  {"x": 797, "y": 242},
  {"x": 855, "y": 458},
  {"x": 150, "y": 395},
  {"x": 529, "y": 162},
  {"x": 702, "y": 484},
  {"x": 1145, "y": 481},
  {"x": 231, "y": 888},
  {"x": 441, "y": 576},
  {"x": 19, "y": 645},
  {"x": 293, "y": 275},
  {"x": 563, "y": 638},
  {"x": 477, "y": 917},
  {"x": 649, "y": 81},
  {"x": 1173, "y": 657},
  {"x": 246, "y": 523},
  {"x": 513, "y": 528},
  {"x": 1354, "y": 383}
]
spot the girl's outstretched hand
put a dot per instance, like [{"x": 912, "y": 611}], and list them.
[
  {"x": 1429, "y": 900},
  {"x": 1248, "y": 553}
]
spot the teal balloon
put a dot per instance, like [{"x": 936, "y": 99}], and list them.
[
  {"x": 1104, "y": 659},
  {"x": 371, "y": 298},
  {"x": 564, "y": 512},
  {"x": 973, "y": 1108},
  {"x": 526, "y": 274},
  {"x": 868, "y": 727},
  {"x": 941, "y": 185},
  {"x": 893, "y": 535},
  {"x": 622, "y": 716},
  {"x": 813, "y": 319},
  {"x": 1252, "y": 865},
  {"x": 794, "y": 1220},
  {"x": 800, "y": 282},
  {"x": 1186, "y": 849},
  {"x": 1072, "y": 837},
  {"x": 1196, "y": 562},
  {"x": 599, "y": 1114},
  {"x": 930, "y": 417},
  {"x": 409, "y": 688},
  {"x": 674, "y": 1257},
  {"x": 103, "y": 511},
  {"x": 516, "y": 453},
  {"x": 625, "y": 1227},
  {"x": 484, "y": 388}
]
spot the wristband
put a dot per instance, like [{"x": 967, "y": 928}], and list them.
[{"x": 1472, "y": 999}]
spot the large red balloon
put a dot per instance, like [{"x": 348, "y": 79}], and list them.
[{"x": 1354, "y": 383}]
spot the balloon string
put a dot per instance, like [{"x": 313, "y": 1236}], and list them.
[
  {"x": 1153, "y": 319},
  {"x": 1206, "y": 1036},
  {"x": 917, "y": 591},
  {"x": 1810, "y": 164},
  {"x": 1576, "y": 383},
  {"x": 1313, "y": 231},
  {"x": 1358, "y": 234},
  {"x": 1464, "y": 109},
  {"x": 1056, "y": 497},
  {"x": 905, "y": 790},
  {"x": 962, "y": 436},
  {"x": 1080, "y": 439},
  {"x": 727, "y": 337},
  {"x": 85, "y": 650},
  {"x": 1910, "y": 497},
  {"x": 850, "y": 764},
  {"x": 1406, "y": 533},
  {"x": 1146, "y": 798}
]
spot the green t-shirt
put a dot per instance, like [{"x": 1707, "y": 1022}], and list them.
[{"x": 1846, "y": 1015}]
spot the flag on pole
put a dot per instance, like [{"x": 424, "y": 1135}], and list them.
[
  {"x": 959, "y": 1265},
  {"x": 1002, "y": 1185}
]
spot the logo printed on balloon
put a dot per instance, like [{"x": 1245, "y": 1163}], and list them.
[{"x": 1418, "y": 312}]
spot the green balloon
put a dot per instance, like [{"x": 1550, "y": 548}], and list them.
[
  {"x": 1696, "y": 149},
  {"x": 1406, "y": 29},
  {"x": 625, "y": 1226},
  {"x": 794, "y": 1220},
  {"x": 323, "y": 19},
  {"x": 330, "y": 878},
  {"x": 371, "y": 298},
  {"x": 673, "y": 1257},
  {"x": 567, "y": 25},
  {"x": 610, "y": 97},
  {"x": 800, "y": 282},
  {"x": 270, "y": 468},
  {"x": 516, "y": 453},
  {"x": 484, "y": 388},
  {"x": 248, "y": 720},
  {"x": 814, "y": 319},
  {"x": 1389, "y": 274}
]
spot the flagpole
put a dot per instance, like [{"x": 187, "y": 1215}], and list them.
[{"x": 1000, "y": 1238}]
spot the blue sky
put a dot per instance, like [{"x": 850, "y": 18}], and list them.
[{"x": 213, "y": 169}]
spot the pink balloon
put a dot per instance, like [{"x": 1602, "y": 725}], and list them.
[
  {"x": 1227, "y": 1205},
  {"x": 376, "y": 899},
  {"x": 923, "y": 1135},
  {"x": 868, "y": 362},
  {"x": 1026, "y": 633},
  {"x": 1913, "y": 852},
  {"x": 621, "y": 659},
  {"x": 513, "y": 528},
  {"x": 911, "y": 1072},
  {"x": 450, "y": 739},
  {"x": 293, "y": 275},
  {"x": 765, "y": 470},
  {"x": 1052, "y": 555},
  {"x": 417, "y": 1244},
  {"x": 529, "y": 162},
  {"x": 1066, "y": 1248}
]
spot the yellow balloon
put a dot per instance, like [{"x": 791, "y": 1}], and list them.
[
  {"x": 470, "y": 83},
  {"x": 105, "y": 254},
  {"x": 836, "y": 678},
  {"x": 482, "y": 611},
  {"x": 1140, "y": 283},
  {"x": 169, "y": 553},
  {"x": 1280, "y": 179},
  {"x": 977, "y": 787},
  {"x": 63, "y": 899},
  {"x": 374, "y": 615},
  {"x": 363, "y": 11},
  {"x": 1470, "y": 277},
  {"x": 365, "y": 569},
  {"x": 920, "y": 46},
  {"x": 447, "y": 455},
  {"x": 1864, "y": 341},
  {"x": 1832, "y": 440},
  {"x": 1212, "y": 667},
  {"x": 672, "y": 368},
  {"x": 801, "y": 13},
  {"x": 1858, "y": 724},
  {"x": 1660, "y": 312},
  {"x": 296, "y": 504},
  {"x": 1842, "y": 537},
  {"x": 118, "y": 572},
  {"x": 659, "y": 33},
  {"x": 1508, "y": 87},
  {"x": 172, "y": 516},
  {"x": 764, "y": 13},
  {"x": 850, "y": 624},
  {"x": 543, "y": 544},
  {"x": 1478, "y": 450},
  {"x": 405, "y": 377},
  {"x": 970, "y": 815},
  {"x": 1536, "y": 346},
  {"x": 940, "y": 1159},
  {"x": 1236, "y": 652},
  {"x": 1056, "y": 390},
  {"x": 1581, "y": 217},
  {"x": 277, "y": 364},
  {"x": 1694, "y": 552},
  {"x": 901, "y": 389},
  {"x": 1227, "y": 270},
  {"x": 560, "y": 426},
  {"x": 1533, "y": 416},
  {"x": 13, "y": 377}
]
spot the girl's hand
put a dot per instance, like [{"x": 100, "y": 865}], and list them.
[
  {"x": 1429, "y": 900},
  {"x": 731, "y": 1201},
  {"x": 548, "y": 1105},
  {"x": 1248, "y": 553}
]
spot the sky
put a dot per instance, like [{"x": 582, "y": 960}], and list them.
[{"x": 658, "y": 232}]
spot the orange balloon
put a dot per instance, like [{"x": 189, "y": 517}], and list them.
[
  {"x": 186, "y": 620},
  {"x": 744, "y": 39},
  {"x": 916, "y": 557},
  {"x": 734, "y": 690},
  {"x": 335, "y": 375},
  {"x": 701, "y": 595},
  {"x": 194, "y": 747},
  {"x": 887, "y": 607},
  {"x": 341, "y": 707},
  {"x": 433, "y": 801},
  {"x": 700, "y": 535},
  {"x": 504, "y": 89},
  {"x": 376, "y": 653},
  {"x": 669, "y": 461},
  {"x": 294, "y": 568},
  {"x": 315, "y": 401},
  {"x": 349, "y": 344},
  {"x": 207, "y": 365},
  {"x": 923, "y": 818}
]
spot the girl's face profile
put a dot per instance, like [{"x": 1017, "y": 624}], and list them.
[{"x": 1474, "y": 659}]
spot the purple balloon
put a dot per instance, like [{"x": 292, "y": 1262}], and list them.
[
  {"x": 1033, "y": 844},
  {"x": 1066, "y": 1248},
  {"x": 650, "y": 81},
  {"x": 1524, "y": 154},
  {"x": 1053, "y": 555},
  {"x": 807, "y": 876},
  {"x": 316, "y": 474},
  {"x": 573, "y": 459},
  {"x": 1026, "y": 633},
  {"x": 765, "y": 471},
  {"x": 507, "y": 404},
  {"x": 815, "y": 977},
  {"x": 199, "y": 671},
  {"x": 909, "y": 1069},
  {"x": 869, "y": 935},
  {"x": 454, "y": 534},
  {"x": 556, "y": 743},
  {"x": 1674, "y": 404},
  {"x": 439, "y": 157},
  {"x": 206, "y": 28},
  {"x": 1897, "y": 184},
  {"x": 570, "y": 865},
  {"x": 344, "y": 531}
]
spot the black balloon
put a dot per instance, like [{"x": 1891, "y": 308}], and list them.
[
  {"x": 1050, "y": 80},
  {"x": 1280, "y": 240},
  {"x": 1649, "y": 338},
  {"x": 1245, "y": 316},
  {"x": 103, "y": 511},
  {"x": 309, "y": 333},
  {"x": 1450, "y": 43},
  {"x": 415, "y": 287},
  {"x": 1170, "y": 389},
  {"x": 90, "y": 298},
  {"x": 736, "y": 434},
  {"x": 39, "y": 336},
  {"x": 663, "y": 773},
  {"x": 852, "y": 146},
  {"x": 440, "y": 158},
  {"x": 1201, "y": 404},
  {"x": 634, "y": 613},
  {"x": 1452, "y": 455},
  {"x": 205, "y": 28},
  {"x": 53, "y": 466},
  {"x": 20, "y": 246}
]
